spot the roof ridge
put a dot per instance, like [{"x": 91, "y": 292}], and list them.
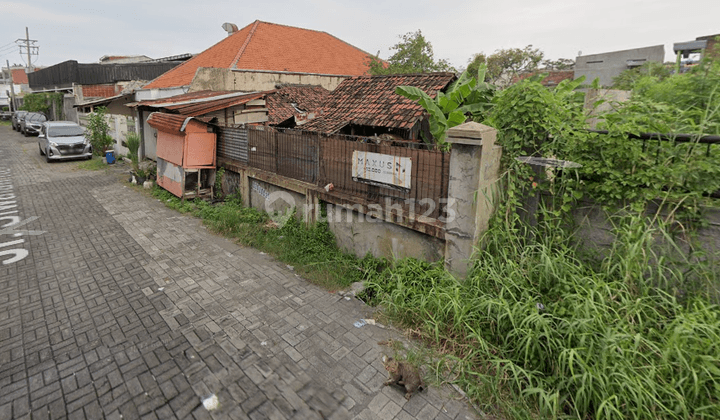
[
  {"x": 245, "y": 44},
  {"x": 431, "y": 74}
]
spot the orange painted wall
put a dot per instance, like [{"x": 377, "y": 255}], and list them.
[
  {"x": 200, "y": 147},
  {"x": 174, "y": 187},
  {"x": 170, "y": 147}
]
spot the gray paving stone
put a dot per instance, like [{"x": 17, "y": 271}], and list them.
[{"x": 86, "y": 332}]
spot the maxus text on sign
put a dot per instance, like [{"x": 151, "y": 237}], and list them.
[{"x": 386, "y": 170}]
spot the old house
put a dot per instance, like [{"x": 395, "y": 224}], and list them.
[
  {"x": 286, "y": 106},
  {"x": 263, "y": 55},
  {"x": 257, "y": 58},
  {"x": 369, "y": 106},
  {"x": 293, "y": 105}
]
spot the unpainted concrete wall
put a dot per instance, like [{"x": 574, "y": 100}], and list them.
[
  {"x": 250, "y": 81},
  {"x": 69, "y": 111},
  {"x": 361, "y": 234},
  {"x": 354, "y": 231},
  {"x": 607, "y": 66},
  {"x": 272, "y": 199}
]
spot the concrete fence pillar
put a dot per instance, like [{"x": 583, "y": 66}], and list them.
[{"x": 474, "y": 167}]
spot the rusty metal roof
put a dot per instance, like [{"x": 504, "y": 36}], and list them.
[
  {"x": 172, "y": 123},
  {"x": 202, "y": 102}
]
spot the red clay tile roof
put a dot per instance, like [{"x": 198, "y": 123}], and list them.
[
  {"x": 203, "y": 102},
  {"x": 272, "y": 47},
  {"x": 372, "y": 101},
  {"x": 170, "y": 123},
  {"x": 19, "y": 77},
  {"x": 306, "y": 98}
]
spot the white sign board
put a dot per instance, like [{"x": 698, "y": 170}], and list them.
[{"x": 385, "y": 170}]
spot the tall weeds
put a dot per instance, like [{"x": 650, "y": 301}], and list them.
[{"x": 577, "y": 340}]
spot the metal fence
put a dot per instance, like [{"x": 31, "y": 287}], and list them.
[
  {"x": 233, "y": 144},
  {"x": 289, "y": 153},
  {"x": 321, "y": 160},
  {"x": 428, "y": 181}
]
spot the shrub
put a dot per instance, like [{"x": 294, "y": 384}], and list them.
[
  {"x": 133, "y": 143},
  {"x": 97, "y": 131}
]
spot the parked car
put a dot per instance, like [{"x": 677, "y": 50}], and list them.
[
  {"x": 31, "y": 123},
  {"x": 63, "y": 140},
  {"x": 17, "y": 118}
]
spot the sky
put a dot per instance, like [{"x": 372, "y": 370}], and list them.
[{"x": 87, "y": 30}]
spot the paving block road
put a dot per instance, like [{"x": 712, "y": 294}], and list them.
[{"x": 114, "y": 306}]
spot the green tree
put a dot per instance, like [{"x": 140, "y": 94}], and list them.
[
  {"x": 475, "y": 62},
  {"x": 43, "y": 102},
  {"x": 414, "y": 54},
  {"x": 559, "y": 64},
  {"x": 506, "y": 65}
]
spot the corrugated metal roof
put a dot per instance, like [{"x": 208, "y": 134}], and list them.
[
  {"x": 172, "y": 123},
  {"x": 105, "y": 101},
  {"x": 203, "y": 102}
]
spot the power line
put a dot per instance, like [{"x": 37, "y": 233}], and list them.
[
  {"x": 8, "y": 48},
  {"x": 30, "y": 46}
]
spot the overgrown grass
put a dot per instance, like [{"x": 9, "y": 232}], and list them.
[
  {"x": 536, "y": 329},
  {"x": 311, "y": 251}
]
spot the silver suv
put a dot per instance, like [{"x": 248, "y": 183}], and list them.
[
  {"x": 63, "y": 140},
  {"x": 31, "y": 123}
]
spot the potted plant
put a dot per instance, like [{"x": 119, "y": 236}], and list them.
[{"x": 133, "y": 144}]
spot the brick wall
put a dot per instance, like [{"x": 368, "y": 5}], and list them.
[{"x": 100, "y": 91}]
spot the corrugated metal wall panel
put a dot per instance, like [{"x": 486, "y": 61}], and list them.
[
  {"x": 233, "y": 144},
  {"x": 70, "y": 72}
]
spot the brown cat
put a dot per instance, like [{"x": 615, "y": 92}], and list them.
[{"x": 402, "y": 373}]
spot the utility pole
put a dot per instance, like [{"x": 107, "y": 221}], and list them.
[
  {"x": 31, "y": 48},
  {"x": 12, "y": 88},
  {"x": 27, "y": 45}
]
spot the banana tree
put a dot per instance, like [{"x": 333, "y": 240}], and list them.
[{"x": 466, "y": 97}]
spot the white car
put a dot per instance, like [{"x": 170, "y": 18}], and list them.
[{"x": 63, "y": 140}]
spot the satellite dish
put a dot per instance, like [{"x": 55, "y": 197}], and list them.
[{"x": 230, "y": 28}]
